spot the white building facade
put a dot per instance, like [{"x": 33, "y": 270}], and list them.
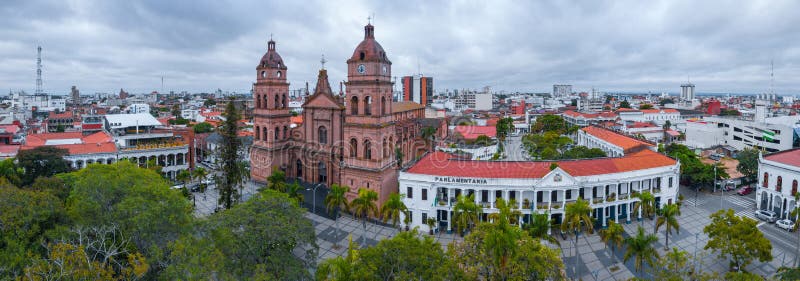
[
  {"x": 431, "y": 186},
  {"x": 779, "y": 174}
]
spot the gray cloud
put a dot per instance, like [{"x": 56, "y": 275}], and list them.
[{"x": 101, "y": 46}]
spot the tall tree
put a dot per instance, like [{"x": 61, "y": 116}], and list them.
[
  {"x": 11, "y": 172},
  {"x": 363, "y": 206},
  {"x": 336, "y": 201},
  {"x": 392, "y": 209},
  {"x": 668, "y": 217},
  {"x": 25, "y": 216},
  {"x": 503, "y": 127},
  {"x": 748, "y": 163},
  {"x": 646, "y": 204},
  {"x": 640, "y": 247},
  {"x": 295, "y": 192},
  {"x": 183, "y": 176},
  {"x": 577, "y": 218},
  {"x": 340, "y": 268},
  {"x": 612, "y": 236},
  {"x": 277, "y": 180},
  {"x": 407, "y": 256},
  {"x": 466, "y": 213},
  {"x": 232, "y": 179},
  {"x": 624, "y": 104},
  {"x": 43, "y": 161},
  {"x": 506, "y": 211},
  {"x": 428, "y": 133},
  {"x": 738, "y": 238},
  {"x": 673, "y": 266},
  {"x": 540, "y": 228},
  {"x": 138, "y": 200}
]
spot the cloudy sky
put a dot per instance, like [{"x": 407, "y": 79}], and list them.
[{"x": 102, "y": 46}]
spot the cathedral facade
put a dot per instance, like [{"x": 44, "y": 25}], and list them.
[{"x": 359, "y": 138}]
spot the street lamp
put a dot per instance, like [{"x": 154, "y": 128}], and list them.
[{"x": 314, "y": 196}]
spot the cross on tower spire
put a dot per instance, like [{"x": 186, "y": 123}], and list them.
[
  {"x": 323, "y": 61},
  {"x": 369, "y": 19}
]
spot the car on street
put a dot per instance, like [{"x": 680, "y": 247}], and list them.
[
  {"x": 788, "y": 225},
  {"x": 768, "y": 216},
  {"x": 747, "y": 189}
]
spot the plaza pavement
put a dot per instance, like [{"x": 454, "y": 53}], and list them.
[{"x": 596, "y": 261}]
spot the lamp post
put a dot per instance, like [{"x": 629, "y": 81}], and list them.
[
  {"x": 314, "y": 197},
  {"x": 694, "y": 270}
]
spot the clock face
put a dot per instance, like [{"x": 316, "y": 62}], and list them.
[
  {"x": 384, "y": 69},
  {"x": 361, "y": 68}
]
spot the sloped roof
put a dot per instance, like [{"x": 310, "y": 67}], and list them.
[
  {"x": 473, "y": 132},
  {"x": 403, "y": 106},
  {"x": 445, "y": 164},
  {"x": 789, "y": 157},
  {"x": 614, "y": 138}
]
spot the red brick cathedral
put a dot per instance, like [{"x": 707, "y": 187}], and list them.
[{"x": 349, "y": 140}]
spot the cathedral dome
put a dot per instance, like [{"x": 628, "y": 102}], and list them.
[
  {"x": 271, "y": 59},
  {"x": 369, "y": 49}
]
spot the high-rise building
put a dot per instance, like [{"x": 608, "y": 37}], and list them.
[
  {"x": 562, "y": 90},
  {"x": 76, "y": 96},
  {"x": 687, "y": 91},
  {"x": 418, "y": 89}
]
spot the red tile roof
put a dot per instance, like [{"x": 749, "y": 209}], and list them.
[
  {"x": 98, "y": 137},
  {"x": 100, "y": 142},
  {"x": 604, "y": 114},
  {"x": 473, "y": 132},
  {"x": 444, "y": 164},
  {"x": 41, "y": 139},
  {"x": 789, "y": 157},
  {"x": 656, "y": 111},
  {"x": 614, "y": 138}
]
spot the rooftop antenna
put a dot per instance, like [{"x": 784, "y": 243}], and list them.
[
  {"x": 162, "y": 84},
  {"x": 771, "y": 76},
  {"x": 38, "y": 70},
  {"x": 323, "y": 61}
]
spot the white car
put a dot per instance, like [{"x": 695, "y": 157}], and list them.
[
  {"x": 768, "y": 216},
  {"x": 788, "y": 225}
]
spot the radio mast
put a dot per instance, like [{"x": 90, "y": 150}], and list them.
[{"x": 38, "y": 70}]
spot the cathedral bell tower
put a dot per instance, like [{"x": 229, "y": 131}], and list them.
[
  {"x": 369, "y": 86},
  {"x": 272, "y": 117}
]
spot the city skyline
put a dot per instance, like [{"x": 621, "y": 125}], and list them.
[{"x": 197, "y": 47}]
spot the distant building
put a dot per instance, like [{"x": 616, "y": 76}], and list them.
[
  {"x": 687, "y": 91},
  {"x": 778, "y": 176},
  {"x": 418, "y": 89},
  {"x": 76, "y": 96},
  {"x": 139, "y": 108},
  {"x": 562, "y": 90}
]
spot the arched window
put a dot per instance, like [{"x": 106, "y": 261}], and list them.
[
  {"x": 765, "y": 183},
  {"x": 264, "y": 131},
  {"x": 276, "y": 104},
  {"x": 367, "y": 150},
  {"x": 258, "y": 132},
  {"x": 323, "y": 172},
  {"x": 353, "y": 148},
  {"x": 383, "y": 105},
  {"x": 299, "y": 168},
  {"x": 794, "y": 187},
  {"x": 283, "y": 101},
  {"x": 277, "y": 133},
  {"x": 778, "y": 184},
  {"x": 258, "y": 101},
  {"x": 354, "y": 106},
  {"x": 322, "y": 132},
  {"x": 385, "y": 148},
  {"x": 367, "y": 103},
  {"x": 285, "y": 132},
  {"x": 264, "y": 104}
]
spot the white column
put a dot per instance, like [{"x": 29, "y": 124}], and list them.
[
  {"x": 628, "y": 211},
  {"x": 604, "y": 216}
]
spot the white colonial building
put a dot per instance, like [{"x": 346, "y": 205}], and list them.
[
  {"x": 430, "y": 186},
  {"x": 777, "y": 184}
]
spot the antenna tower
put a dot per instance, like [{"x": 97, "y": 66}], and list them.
[
  {"x": 771, "y": 76},
  {"x": 38, "y": 70}
]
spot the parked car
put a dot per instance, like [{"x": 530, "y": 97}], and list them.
[
  {"x": 747, "y": 189},
  {"x": 788, "y": 225},
  {"x": 768, "y": 216}
]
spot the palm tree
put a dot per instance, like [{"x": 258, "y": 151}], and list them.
[
  {"x": 641, "y": 246},
  {"x": 428, "y": 134},
  {"x": 669, "y": 218},
  {"x": 336, "y": 200},
  {"x": 465, "y": 213},
  {"x": 183, "y": 176},
  {"x": 293, "y": 190},
  {"x": 539, "y": 228},
  {"x": 339, "y": 268},
  {"x": 364, "y": 206},
  {"x": 392, "y": 208},
  {"x": 646, "y": 204},
  {"x": 576, "y": 218},
  {"x": 506, "y": 212},
  {"x": 200, "y": 173},
  {"x": 613, "y": 236},
  {"x": 277, "y": 180}
]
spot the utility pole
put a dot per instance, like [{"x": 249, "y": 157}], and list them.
[{"x": 38, "y": 70}]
